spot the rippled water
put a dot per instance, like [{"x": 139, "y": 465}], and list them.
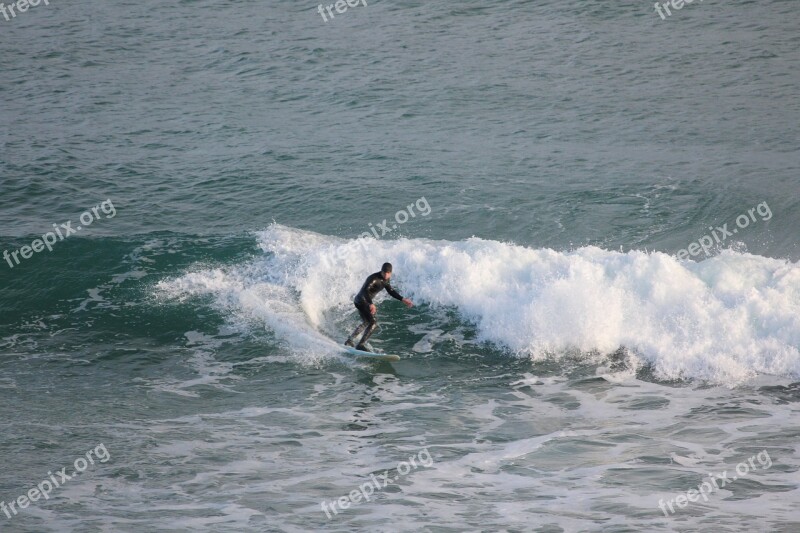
[{"x": 563, "y": 368}]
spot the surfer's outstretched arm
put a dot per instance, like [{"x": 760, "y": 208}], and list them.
[{"x": 396, "y": 295}]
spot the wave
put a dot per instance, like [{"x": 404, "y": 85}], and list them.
[{"x": 725, "y": 319}]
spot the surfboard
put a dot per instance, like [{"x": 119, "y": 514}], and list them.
[{"x": 371, "y": 355}]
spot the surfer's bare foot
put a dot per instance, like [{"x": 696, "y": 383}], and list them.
[
  {"x": 363, "y": 348},
  {"x": 349, "y": 342}
]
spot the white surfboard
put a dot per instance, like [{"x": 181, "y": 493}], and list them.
[{"x": 371, "y": 355}]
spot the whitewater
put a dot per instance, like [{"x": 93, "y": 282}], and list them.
[{"x": 723, "y": 320}]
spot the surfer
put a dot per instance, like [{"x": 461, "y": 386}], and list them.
[{"x": 363, "y": 301}]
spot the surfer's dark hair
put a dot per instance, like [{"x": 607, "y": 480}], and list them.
[{"x": 387, "y": 267}]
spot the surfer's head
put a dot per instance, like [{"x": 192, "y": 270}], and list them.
[{"x": 386, "y": 270}]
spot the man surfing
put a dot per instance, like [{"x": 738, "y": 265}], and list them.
[{"x": 363, "y": 301}]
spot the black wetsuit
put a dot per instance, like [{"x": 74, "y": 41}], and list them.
[{"x": 372, "y": 286}]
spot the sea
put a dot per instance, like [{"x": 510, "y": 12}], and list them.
[{"x": 593, "y": 207}]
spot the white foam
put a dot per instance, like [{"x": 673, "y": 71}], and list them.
[{"x": 725, "y": 319}]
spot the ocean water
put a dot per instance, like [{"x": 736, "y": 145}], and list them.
[{"x": 594, "y": 210}]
